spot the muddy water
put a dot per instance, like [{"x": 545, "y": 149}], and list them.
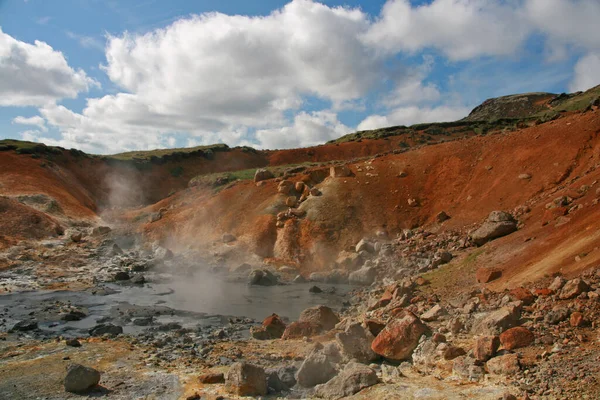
[{"x": 191, "y": 302}]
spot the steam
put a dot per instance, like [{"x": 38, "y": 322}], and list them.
[{"x": 125, "y": 188}]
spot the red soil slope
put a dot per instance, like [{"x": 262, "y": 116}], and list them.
[{"x": 466, "y": 178}]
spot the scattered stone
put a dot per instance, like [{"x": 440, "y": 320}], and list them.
[
  {"x": 291, "y": 201},
  {"x": 556, "y": 315},
  {"x": 315, "y": 289},
  {"x": 400, "y": 337},
  {"x": 80, "y": 378},
  {"x": 433, "y": 314},
  {"x": 442, "y": 216},
  {"x": 504, "y": 365},
  {"x": 76, "y": 237},
  {"x": 298, "y": 330},
  {"x": 574, "y": 288},
  {"x": 365, "y": 245},
  {"x": 211, "y": 378},
  {"x": 106, "y": 329},
  {"x": 497, "y": 321},
  {"x": 498, "y": 224},
  {"x": 228, "y": 238},
  {"x": 122, "y": 276},
  {"x": 557, "y": 284},
  {"x": 282, "y": 378},
  {"x": 364, "y": 276},
  {"x": 353, "y": 378},
  {"x": 466, "y": 367},
  {"x": 138, "y": 280},
  {"x": 452, "y": 352},
  {"x": 263, "y": 175},
  {"x": 485, "y": 275},
  {"x": 523, "y": 295},
  {"x": 285, "y": 187},
  {"x": 486, "y": 347},
  {"x": 73, "y": 315},
  {"x": 525, "y": 176},
  {"x": 315, "y": 369},
  {"x": 101, "y": 230},
  {"x": 25, "y": 326},
  {"x": 576, "y": 319},
  {"x": 320, "y": 315},
  {"x": 272, "y": 328},
  {"x": 340, "y": 171},
  {"x": 413, "y": 202},
  {"x": 515, "y": 338},
  {"x": 355, "y": 343},
  {"x": 245, "y": 379},
  {"x": 262, "y": 277},
  {"x": 73, "y": 343}
]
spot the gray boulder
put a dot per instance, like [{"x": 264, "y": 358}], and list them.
[
  {"x": 364, "y": 276},
  {"x": 355, "y": 343},
  {"x": 317, "y": 368},
  {"x": 262, "y": 277},
  {"x": 80, "y": 378},
  {"x": 498, "y": 224},
  {"x": 104, "y": 329},
  {"x": 354, "y": 378}
]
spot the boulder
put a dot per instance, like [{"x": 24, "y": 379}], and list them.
[
  {"x": 262, "y": 277},
  {"x": 285, "y": 187},
  {"x": 76, "y": 237},
  {"x": 349, "y": 261},
  {"x": 25, "y": 325},
  {"x": 315, "y": 289},
  {"x": 556, "y": 315},
  {"x": 364, "y": 276},
  {"x": 523, "y": 295},
  {"x": 317, "y": 368},
  {"x": 485, "y": 275},
  {"x": 557, "y": 284},
  {"x": 263, "y": 175},
  {"x": 211, "y": 378},
  {"x": 453, "y": 352},
  {"x": 106, "y": 329},
  {"x": 281, "y": 379},
  {"x": 138, "y": 280},
  {"x": 73, "y": 315},
  {"x": 515, "y": 338},
  {"x": 364, "y": 245},
  {"x": 497, "y": 321},
  {"x": 298, "y": 330},
  {"x": 272, "y": 328},
  {"x": 574, "y": 288},
  {"x": 228, "y": 238},
  {"x": 353, "y": 378},
  {"x": 245, "y": 379},
  {"x": 80, "y": 378},
  {"x": 291, "y": 201},
  {"x": 434, "y": 313},
  {"x": 576, "y": 319},
  {"x": 355, "y": 343},
  {"x": 340, "y": 171},
  {"x": 101, "y": 230},
  {"x": 467, "y": 368},
  {"x": 400, "y": 337},
  {"x": 498, "y": 224},
  {"x": 72, "y": 343},
  {"x": 486, "y": 347},
  {"x": 504, "y": 365},
  {"x": 299, "y": 187},
  {"x": 320, "y": 315}
]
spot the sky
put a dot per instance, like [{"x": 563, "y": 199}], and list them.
[{"x": 108, "y": 76}]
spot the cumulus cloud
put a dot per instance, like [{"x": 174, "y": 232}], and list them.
[
  {"x": 35, "y": 74},
  {"x": 35, "y": 121},
  {"x": 587, "y": 73},
  {"x": 414, "y": 115},
  {"x": 460, "y": 29},
  {"x": 309, "y": 129}
]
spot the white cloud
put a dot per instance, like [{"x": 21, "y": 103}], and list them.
[
  {"x": 35, "y": 121},
  {"x": 461, "y": 29},
  {"x": 31, "y": 135},
  {"x": 414, "y": 115},
  {"x": 88, "y": 42},
  {"x": 308, "y": 130},
  {"x": 33, "y": 75},
  {"x": 587, "y": 73}
]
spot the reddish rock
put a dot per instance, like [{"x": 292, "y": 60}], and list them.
[
  {"x": 485, "y": 275},
  {"x": 576, "y": 319},
  {"x": 486, "y": 347},
  {"x": 400, "y": 337},
  {"x": 211, "y": 378},
  {"x": 245, "y": 379},
  {"x": 298, "y": 330},
  {"x": 299, "y": 186},
  {"x": 452, "y": 352},
  {"x": 420, "y": 281},
  {"x": 543, "y": 292},
  {"x": 438, "y": 338},
  {"x": 523, "y": 295},
  {"x": 274, "y": 326},
  {"x": 320, "y": 315},
  {"x": 515, "y": 338},
  {"x": 340, "y": 171},
  {"x": 374, "y": 326}
]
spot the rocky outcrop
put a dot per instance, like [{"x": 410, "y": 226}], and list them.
[
  {"x": 245, "y": 379},
  {"x": 355, "y": 343},
  {"x": 317, "y": 368}
]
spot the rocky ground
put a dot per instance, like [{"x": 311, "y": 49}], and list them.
[{"x": 70, "y": 326}]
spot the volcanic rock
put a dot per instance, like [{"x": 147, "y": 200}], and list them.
[
  {"x": 263, "y": 175},
  {"x": 498, "y": 224},
  {"x": 245, "y": 379},
  {"x": 574, "y": 288},
  {"x": 485, "y": 275},
  {"x": 516, "y": 337},
  {"x": 298, "y": 330},
  {"x": 211, "y": 378},
  {"x": 104, "y": 329},
  {"x": 316, "y": 368},
  {"x": 364, "y": 276},
  {"x": 486, "y": 347},
  {"x": 353, "y": 378},
  {"x": 319, "y": 315},
  {"x": 80, "y": 378},
  {"x": 355, "y": 343},
  {"x": 400, "y": 337},
  {"x": 504, "y": 365},
  {"x": 497, "y": 321}
]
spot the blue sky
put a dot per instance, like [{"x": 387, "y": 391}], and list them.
[{"x": 110, "y": 76}]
